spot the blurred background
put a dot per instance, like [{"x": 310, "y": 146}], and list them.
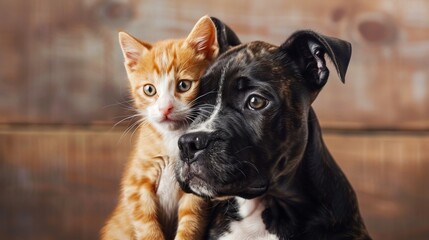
[{"x": 63, "y": 87}]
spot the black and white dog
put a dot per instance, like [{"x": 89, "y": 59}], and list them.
[{"x": 258, "y": 151}]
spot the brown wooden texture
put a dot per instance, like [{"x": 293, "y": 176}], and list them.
[
  {"x": 61, "y": 66},
  {"x": 60, "y": 60},
  {"x": 389, "y": 174},
  {"x": 58, "y": 184},
  {"x": 62, "y": 184}
]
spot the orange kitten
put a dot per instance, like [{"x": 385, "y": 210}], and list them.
[{"x": 164, "y": 79}]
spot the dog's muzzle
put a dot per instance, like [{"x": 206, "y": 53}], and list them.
[
  {"x": 211, "y": 167},
  {"x": 192, "y": 144}
]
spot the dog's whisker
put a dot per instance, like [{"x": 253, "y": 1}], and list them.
[
  {"x": 244, "y": 148},
  {"x": 252, "y": 165},
  {"x": 241, "y": 171}
]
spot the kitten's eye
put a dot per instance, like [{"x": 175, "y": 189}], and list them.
[
  {"x": 149, "y": 90},
  {"x": 256, "y": 102},
  {"x": 184, "y": 85}
]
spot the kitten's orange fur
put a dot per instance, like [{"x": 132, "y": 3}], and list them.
[{"x": 151, "y": 204}]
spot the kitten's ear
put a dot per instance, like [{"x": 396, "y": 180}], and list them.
[
  {"x": 132, "y": 49},
  {"x": 203, "y": 38}
]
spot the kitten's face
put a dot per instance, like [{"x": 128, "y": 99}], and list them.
[
  {"x": 165, "y": 82},
  {"x": 165, "y": 77}
]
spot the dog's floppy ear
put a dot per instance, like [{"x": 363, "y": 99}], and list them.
[
  {"x": 308, "y": 48},
  {"x": 225, "y": 36}
]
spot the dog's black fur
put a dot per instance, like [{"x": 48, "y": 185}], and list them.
[
  {"x": 226, "y": 38},
  {"x": 259, "y": 137}
]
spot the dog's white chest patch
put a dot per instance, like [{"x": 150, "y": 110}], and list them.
[{"x": 252, "y": 226}]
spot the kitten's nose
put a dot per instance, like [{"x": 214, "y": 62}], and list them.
[
  {"x": 191, "y": 143},
  {"x": 166, "y": 110}
]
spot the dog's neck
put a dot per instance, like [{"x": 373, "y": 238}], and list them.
[
  {"x": 251, "y": 225},
  {"x": 324, "y": 176},
  {"x": 248, "y": 207}
]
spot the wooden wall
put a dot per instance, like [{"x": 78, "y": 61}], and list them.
[{"x": 63, "y": 87}]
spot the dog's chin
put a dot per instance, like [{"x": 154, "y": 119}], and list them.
[
  {"x": 227, "y": 180},
  {"x": 200, "y": 187},
  {"x": 253, "y": 192}
]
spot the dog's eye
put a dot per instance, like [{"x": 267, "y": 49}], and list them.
[
  {"x": 256, "y": 102},
  {"x": 184, "y": 85}
]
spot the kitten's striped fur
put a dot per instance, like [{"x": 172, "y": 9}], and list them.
[{"x": 151, "y": 204}]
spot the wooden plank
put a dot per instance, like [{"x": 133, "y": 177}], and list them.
[
  {"x": 389, "y": 174},
  {"x": 62, "y": 184},
  {"x": 58, "y": 184},
  {"x": 63, "y": 66},
  {"x": 60, "y": 60}
]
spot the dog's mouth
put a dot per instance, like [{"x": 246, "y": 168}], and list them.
[
  {"x": 194, "y": 178},
  {"x": 191, "y": 182},
  {"x": 200, "y": 187},
  {"x": 217, "y": 165}
]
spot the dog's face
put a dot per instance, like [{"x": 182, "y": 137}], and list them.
[{"x": 254, "y": 126}]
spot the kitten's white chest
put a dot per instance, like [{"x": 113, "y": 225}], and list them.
[
  {"x": 170, "y": 141},
  {"x": 168, "y": 190},
  {"x": 168, "y": 195}
]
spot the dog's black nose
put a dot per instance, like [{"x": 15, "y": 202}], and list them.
[{"x": 191, "y": 143}]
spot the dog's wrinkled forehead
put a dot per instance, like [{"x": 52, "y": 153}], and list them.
[
  {"x": 255, "y": 60},
  {"x": 251, "y": 59},
  {"x": 247, "y": 53}
]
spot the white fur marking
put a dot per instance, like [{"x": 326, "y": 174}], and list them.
[
  {"x": 168, "y": 190},
  {"x": 207, "y": 126},
  {"x": 171, "y": 138},
  {"x": 164, "y": 60},
  {"x": 252, "y": 226},
  {"x": 202, "y": 190},
  {"x": 165, "y": 87}
]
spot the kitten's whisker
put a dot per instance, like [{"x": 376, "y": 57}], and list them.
[
  {"x": 208, "y": 112},
  {"x": 195, "y": 115},
  {"x": 123, "y": 116},
  {"x": 130, "y": 128},
  {"x": 203, "y": 95},
  {"x": 120, "y": 103},
  {"x": 140, "y": 125},
  {"x": 206, "y": 104},
  {"x": 127, "y": 118}
]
